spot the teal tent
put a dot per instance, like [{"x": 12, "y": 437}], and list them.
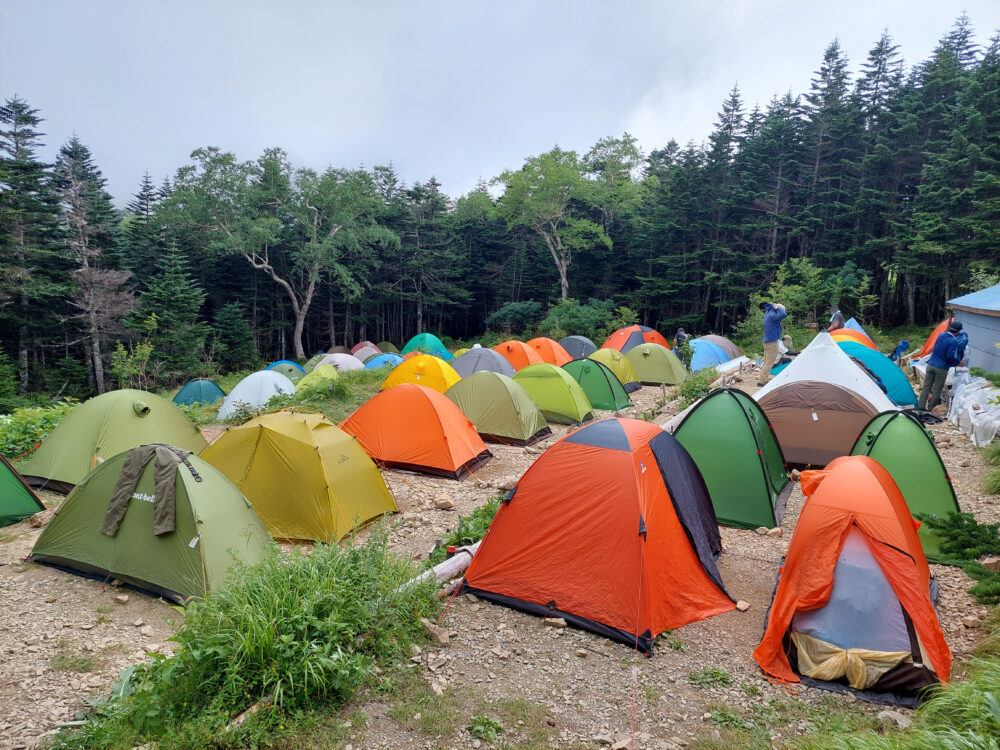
[
  {"x": 897, "y": 385},
  {"x": 200, "y": 391},
  {"x": 428, "y": 343}
]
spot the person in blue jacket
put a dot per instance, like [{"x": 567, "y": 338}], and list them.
[
  {"x": 948, "y": 352},
  {"x": 774, "y": 313}
]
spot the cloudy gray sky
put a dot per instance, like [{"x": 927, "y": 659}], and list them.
[{"x": 458, "y": 89}]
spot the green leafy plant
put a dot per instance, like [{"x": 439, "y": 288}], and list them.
[
  {"x": 697, "y": 386},
  {"x": 131, "y": 366},
  {"x": 484, "y": 728},
  {"x": 963, "y": 538},
  {"x": 710, "y": 677},
  {"x": 470, "y": 529},
  {"x": 24, "y": 429}
]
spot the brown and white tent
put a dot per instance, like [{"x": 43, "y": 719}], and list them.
[{"x": 820, "y": 403}]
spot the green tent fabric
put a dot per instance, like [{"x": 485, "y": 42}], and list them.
[
  {"x": 213, "y": 524},
  {"x": 615, "y": 361},
  {"x": 501, "y": 410},
  {"x": 200, "y": 391},
  {"x": 387, "y": 346},
  {"x": 290, "y": 370},
  {"x": 898, "y": 441},
  {"x": 314, "y": 360},
  {"x": 17, "y": 501},
  {"x": 557, "y": 395},
  {"x": 102, "y": 427},
  {"x": 603, "y": 389},
  {"x": 318, "y": 377},
  {"x": 655, "y": 365},
  {"x": 428, "y": 343},
  {"x": 732, "y": 442}
]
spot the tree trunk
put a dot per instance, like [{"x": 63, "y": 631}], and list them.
[
  {"x": 329, "y": 317},
  {"x": 95, "y": 349},
  {"x": 22, "y": 358},
  {"x": 911, "y": 298}
]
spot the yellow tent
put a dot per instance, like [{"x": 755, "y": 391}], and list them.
[
  {"x": 305, "y": 477},
  {"x": 319, "y": 377},
  {"x": 619, "y": 364},
  {"x": 460, "y": 352},
  {"x": 423, "y": 369}
]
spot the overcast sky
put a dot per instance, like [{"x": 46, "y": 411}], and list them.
[{"x": 457, "y": 89}]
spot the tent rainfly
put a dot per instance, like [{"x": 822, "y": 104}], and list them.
[
  {"x": 603, "y": 389},
  {"x": 656, "y": 365},
  {"x": 556, "y": 394},
  {"x": 477, "y": 360},
  {"x": 254, "y": 392},
  {"x": 620, "y": 365},
  {"x": 17, "y": 500},
  {"x": 501, "y": 410},
  {"x": 578, "y": 347}
]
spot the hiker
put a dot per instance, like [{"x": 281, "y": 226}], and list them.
[
  {"x": 774, "y": 313},
  {"x": 836, "y": 319},
  {"x": 785, "y": 352},
  {"x": 946, "y": 354},
  {"x": 679, "y": 338}
]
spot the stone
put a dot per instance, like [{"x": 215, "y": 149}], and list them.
[
  {"x": 471, "y": 598},
  {"x": 444, "y": 502},
  {"x": 121, "y": 599},
  {"x": 796, "y": 474},
  {"x": 437, "y": 689},
  {"x": 581, "y": 652},
  {"x": 553, "y": 622},
  {"x": 476, "y": 744},
  {"x": 776, "y": 532},
  {"x": 437, "y": 634},
  {"x": 991, "y": 563},
  {"x": 415, "y": 650},
  {"x": 965, "y": 462},
  {"x": 138, "y": 624},
  {"x": 762, "y": 530},
  {"x": 625, "y": 743},
  {"x": 436, "y": 663},
  {"x": 153, "y": 648},
  {"x": 971, "y": 622},
  {"x": 51, "y": 599},
  {"x": 742, "y": 606},
  {"x": 895, "y": 718},
  {"x": 603, "y": 739},
  {"x": 146, "y": 630}
]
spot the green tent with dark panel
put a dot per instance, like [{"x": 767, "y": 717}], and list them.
[
  {"x": 603, "y": 389},
  {"x": 213, "y": 525},
  {"x": 17, "y": 501},
  {"x": 200, "y": 391},
  {"x": 556, "y": 394},
  {"x": 730, "y": 438},
  {"x": 656, "y": 365},
  {"x": 898, "y": 441},
  {"x": 501, "y": 410}
]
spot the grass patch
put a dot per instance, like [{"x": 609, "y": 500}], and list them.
[
  {"x": 470, "y": 529},
  {"x": 710, "y": 677},
  {"x": 991, "y": 481},
  {"x": 63, "y": 662},
  {"x": 991, "y": 453},
  {"x": 4, "y": 537},
  {"x": 484, "y": 728},
  {"x": 670, "y": 640},
  {"x": 416, "y": 707}
]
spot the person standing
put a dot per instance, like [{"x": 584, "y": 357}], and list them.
[
  {"x": 946, "y": 354},
  {"x": 774, "y": 313}
]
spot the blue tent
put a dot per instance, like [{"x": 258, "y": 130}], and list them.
[
  {"x": 706, "y": 354},
  {"x": 199, "y": 391},
  {"x": 385, "y": 359},
  {"x": 897, "y": 386},
  {"x": 285, "y": 362},
  {"x": 854, "y": 325}
]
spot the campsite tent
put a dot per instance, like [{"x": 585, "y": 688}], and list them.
[
  {"x": 213, "y": 523},
  {"x": 705, "y": 354},
  {"x": 518, "y": 353},
  {"x": 365, "y": 352},
  {"x": 899, "y": 442},
  {"x": 854, "y": 325},
  {"x": 102, "y": 427},
  {"x": 414, "y": 427},
  {"x": 847, "y": 334},
  {"x": 557, "y": 395},
  {"x": 305, "y": 478},
  {"x": 254, "y": 392},
  {"x": 478, "y": 360},
  {"x": 897, "y": 385},
  {"x": 578, "y": 347},
  {"x": 423, "y": 369},
  {"x": 979, "y": 314},
  {"x": 928, "y": 346},
  {"x": 291, "y": 370},
  {"x": 363, "y": 345},
  {"x": 200, "y": 391},
  {"x": 338, "y": 350},
  {"x": 655, "y": 364},
  {"x": 625, "y": 338},
  {"x": 17, "y": 500},
  {"x": 625, "y": 558},
  {"x": 501, "y": 410},
  {"x": 853, "y": 608},
  {"x": 387, "y": 347},
  {"x": 603, "y": 389},
  {"x": 550, "y": 351},
  {"x": 427, "y": 343},
  {"x": 819, "y": 404},
  {"x": 729, "y": 437},
  {"x": 313, "y": 361},
  {"x": 386, "y": 359},
  {"x": 732, "y": 351},
  {"x": 319, "y": 377},
  {"x": 459, "y": 352},
  {"x": 342, "y": 362},
  {"x": 620, "y": 366}
]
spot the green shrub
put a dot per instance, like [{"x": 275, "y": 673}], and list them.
[
  {"x": 697, "y": 386},
  {"x": 24, "y": 429},
  {"x": 963, "y": 538},
  {"x": 485, "y": 728},
  {"x": 515, "y": 316},
  {"x": 991, "y": 481},
  {"x": 470, "y": 529}
]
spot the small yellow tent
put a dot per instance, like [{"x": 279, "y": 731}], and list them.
[
  {"x": 619, "y": 364},
  {"x": 320, "y": 377},
  {"x": 305, "y": 477},
  {"x": 423, "y": 369}
]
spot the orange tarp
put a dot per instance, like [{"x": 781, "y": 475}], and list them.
[
  {"x": 853, "y": 491},
  {"x": 550, "y": 351},
  {"x": 518, "y": 353},
  {"x": 932, "y": 339}
]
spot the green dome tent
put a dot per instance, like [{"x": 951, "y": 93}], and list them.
[
  {"x": 200, "y": 391},
  {"x": 17, "y": 501},
  {"x": 291, "y": 370},
  {"x": 213, "y": 524},
  {"x": 427, "y": 343},
  {"x": 318, "y": 377},
  {"x": 102, "y": 427},
  {"x": 603, "y": 389},
  {"x": 313, "y": 361},
  {"x": 655, "y": 364},
  {"x": 731, "y": 440},
  {"x": 615, "y": 361},
  {"x": 501, "y": 410},
  {"x": 387, "y": 347},
  {"x": 898, "y": 441},
  {"x": 556, "y": 394}
]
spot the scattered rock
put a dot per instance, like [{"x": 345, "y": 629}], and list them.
[
  {"x": 51, "y": 599},
  {"x": 625, "y": 743},
  {"x": 121, "y": 599},
  {"x": 437, "y": 634},
  {"x": 895, "y": 718},
  {"x": 762, "y": 530},
  {"x": 471, "y": 598},
  {"x": 138, "y": 623},
  {"x": 415, "y": 650},
  {"x": 581, "y": 652},
  {"x": 153, "y": 648},
  {"x": 41, "y": 518},
  {"x": 965, "y": 462},
  {"x": 603, "y": 739},
  {"x": 146, "y": 630},
  {"x": 437, "y": 689},
  {"x": 971, "y": 622},
  {"x": 775, "y": 532},
  {"x": 444, "y": 502},
  {"x": 796, "y": 474},
  {"x": 742, "y": 606},
  {"x": 553, "y": 622},
  {"x": 991, "y": 563}
]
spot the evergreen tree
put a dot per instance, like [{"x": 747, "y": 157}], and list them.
[
  {"x": 142, "y": 243},
  {"x": 234, "y": 345}
]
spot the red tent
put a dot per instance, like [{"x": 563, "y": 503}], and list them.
[
  {"x": 625, "y": 338},
  {"x": 518, "y": 353}
]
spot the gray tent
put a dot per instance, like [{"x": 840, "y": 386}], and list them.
[
  {"x": 477, "y": 360},
  {"x": 579, "y": 347}
]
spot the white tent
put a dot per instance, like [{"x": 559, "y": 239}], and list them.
[
  {"x": 254, "y": 391},
  {"x": 819, "y": 404},
  {"x": 342, "y": 362}
]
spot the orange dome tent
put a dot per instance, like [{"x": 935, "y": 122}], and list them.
[
  {"x": 550, "y": 351},
  {"x": 415, "y": 427},
  {"x": 849, "y": 334},
  {"x": 625, "y": 559},
  {"x": 625, "y": 338},
  {"x": 932, "y": 339},
  {"x": 424, "y": 369},
  {"x": 518, "y": 354},
  {"x": 853, "y": 607}
]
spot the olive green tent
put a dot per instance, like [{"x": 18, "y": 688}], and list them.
[
  {"x": 731, "y": 440},
  {"x": 603, "y": 389},
  {"x": 214, "y": 524},
  {"x": 102, "y": 427},
  {"x": 17, "y": 501},
  {"x": 319, "y": 378},
  {"x": 655, "y": 365},
  {"x": 291, "y": 370},
  {"x": 387, "y": 346},
  {"x": 898, "y": 441},
  {"x": 501, "y": 410},
  {"x": 313, "y": 361},
  {"x": 615, "y": 361},
  {"x": 557, "y": 395}
]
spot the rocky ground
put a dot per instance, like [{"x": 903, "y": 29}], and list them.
[{"x": 65, "y": 638}]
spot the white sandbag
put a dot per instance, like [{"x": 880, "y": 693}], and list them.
[{"x": 975, "y": 408}]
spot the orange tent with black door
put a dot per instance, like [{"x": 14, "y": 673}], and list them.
[
  {"x": 612, "y": 528},
  {"x": 550, "y": 351},
  {"x": 518, "y": 353},
  {"x": 853, "y": 607},
  {"x": 928, "y": 346},
  {"x": 625, "y": 338},
  {"x": 414, "y": 427}
]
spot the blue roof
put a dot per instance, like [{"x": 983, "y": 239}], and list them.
[{"x": 984, "y": 299}]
